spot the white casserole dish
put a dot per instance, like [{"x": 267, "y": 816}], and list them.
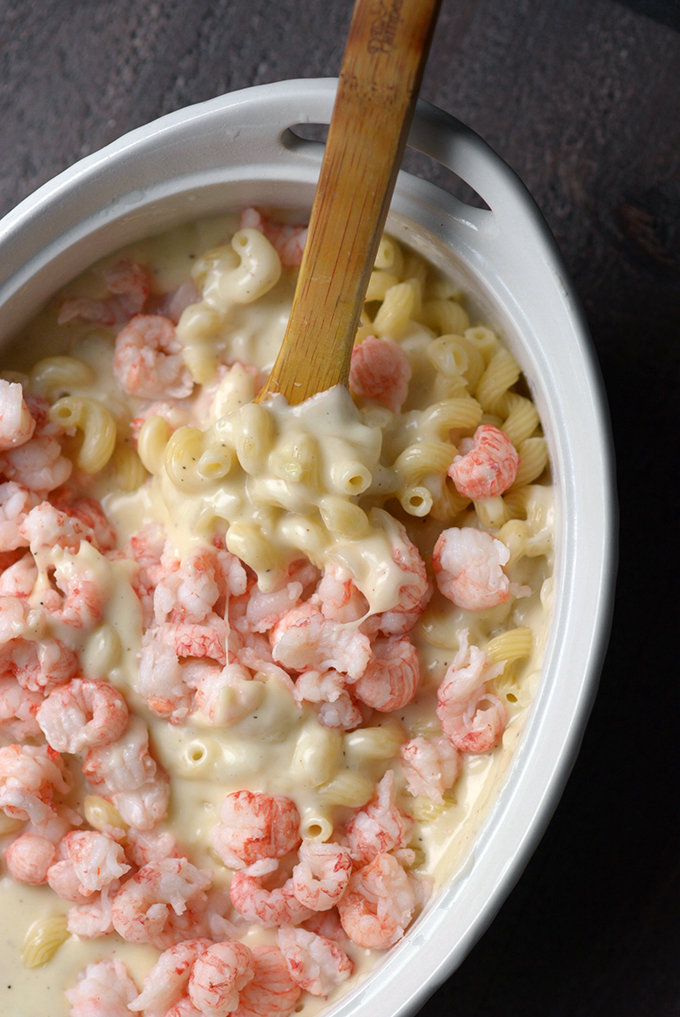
[{"x": 238, "y": 150}]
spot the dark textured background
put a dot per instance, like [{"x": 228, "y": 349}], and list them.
[{"x": 582, "y": 98}]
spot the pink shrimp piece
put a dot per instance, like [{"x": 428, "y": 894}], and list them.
[
  {"x": 83, "y": 714},
  {"x": 430, "y": 766},
  {"x": 316, "y": 964},
  {"x": 144, "y": 846},
  {"x": 391, "y": 677},
  {"x": 335, "y": 706},
  {"x": 472, "y": 717},
  {"x": 127, "y": 774},
  {"x": 64, "y": 881},
  {"x": 38, "y": 464},
  {"x": 303, "y": 638},
  {"x": 468, "y": 565},
  {"x": 218, "y": 976},
  {"x": 378, "y": 904},
  {"x": 86, "y": 309},
  {"x": 322, "y": 874},
  {"x": 96, "y": 527},
  {"x": 83, "y": 598},
  {"x": 148, "y": 360},
  {"x": 326, "y": 924},
  {"x": 145, "y": 903},
  {"x": 130, "y": 284},
  {"x": 16, "y": 423},
  {"x": 18, "y": 708},
  {"x": 46, "y": 527},
  {"x": 272, "y": 992},
  {"x": 96, "y": 858},
  {"x": 379, "y": 826},
  {"x": 380, "y": 370},
  {"x": 288, "y": 241},
  {"x": 165, "y": 984},
  {"x": 191, "y": 640},
  {"x": 161, "y": 679},
  {"x": 29, "y": 857},
  {"x": 29, "y": 776},
  {"x": 488, "y": 465},
  {"x": 39, "y": 667},
  {"x": 414, "y": 593},
  {"x": 338, "y": 596},
  {"x": 92, "y": 918},
  {"x": 223, "y": 695},
  {"x": 20, "y": 578},
  {"x": 270, "y": 908},
  {"x": 174, "y": 303},
  {"x": 16, "y": 502},
  {"x": 103, "y": 989},
  {"x": 254, "y": 827},
  {"x": 188, "y": 591}
]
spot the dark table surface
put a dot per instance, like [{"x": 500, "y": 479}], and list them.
[{"x": 582, "y": 98}]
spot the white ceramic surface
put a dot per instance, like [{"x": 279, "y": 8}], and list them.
[{"x": 238, "y": 149}]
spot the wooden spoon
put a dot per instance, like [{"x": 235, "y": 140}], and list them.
[{"x": 381, "y": 71}]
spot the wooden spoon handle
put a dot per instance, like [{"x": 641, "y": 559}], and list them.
[{"x": 379, "y": 80}]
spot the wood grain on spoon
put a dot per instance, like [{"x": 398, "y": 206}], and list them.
[{"x": 379, "y": 80}]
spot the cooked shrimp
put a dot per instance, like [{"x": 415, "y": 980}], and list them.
[
  {"x": 188, "y": 592},
  {"x": 326, "y": 924},
  {"x": 16, "y": 502},
  {"x": 103, "y": 989},
  {"x": 177, "y": 301},
  {"x": 468, "y": 565},
  {"x": 130, "y": 283},
  {"x": 316, "y": 964},
  {"x": 303, "y": 638},
  {"x": 338, "y": 596},
  {"x": 144, "y": 846},
  {"x": 378, "y": 904},
  {"x": 166, "y": 982},
  {"x": 287, "y": 241},
  {"x": 265, "y": 907},
  {"x": 18, "y": 708},
  {"x": 161, "y": 679},
  {"x": 96, "y": 858},
  {"x": 148, "y": 361},
  {"x": 86, "y": 309},
  {"x": 379, "y": 826},
  {"x": 224, "y": 695},
  {"x": 191, "y": 640},
  {"x": 39, "y": 666},
  {"x": 144, "y": 904},
  {"x": 16, "y": 423},
  {"x": 488, "y": 465},
  {"x": 218, "y": 976},
  {"x": 272, "y": 992},
  {"x": 38, "y": 464},
  {"x": 127, "y": 773},
  {"x": 29, "y": 857},
  {"x": 335, "y": 706},
  {"x": 391, "y": 677},
  {"x": 430, "y": 766},
  {"x": 414, "y": 591},
  {"x": 97, "y": 529},
  {"x": 83, "y": 598},
  {"x": 82, "y": 714},
  {"x": 92, "y": 919},
  {"x": 20, "y": 578},
  {"x": 380, "y": 370},
  {"x": 322, "y": 874},
  {"x": 29, "y": 776},
  {"x": 471, "y": 716},
  {"x": 254, "y": 827}
]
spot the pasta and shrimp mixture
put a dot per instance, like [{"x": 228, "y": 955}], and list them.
[{"x": 262, "y": 666}]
